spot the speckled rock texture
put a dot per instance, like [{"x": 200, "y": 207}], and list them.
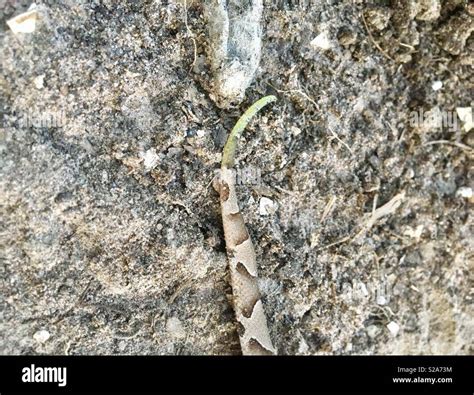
[{"x": 111, "y": 237}]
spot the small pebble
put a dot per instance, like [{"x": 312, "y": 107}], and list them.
[
  {"x": 175, "y": 328},
  {"x": 41, "y": 336},
  {"x": 381, "y": 300},
  {"x": 437, "y": 85},
  {"x": 150, "y": 159},
  {"x": 39, "y": 82},
  {"x": 267, "y": 206},
  {"x": 414, "y": 233},
  {"x": 322, "y": 41},
  {"x": 303, "y": 347},
  {"x": 122, "y": 345},
  {"x": 295, "y": 130},
  {"x": 393, "y": 327},
  {"x": 25, "y": 22},
  {"x": 465, "y": 192},
  {"x": 465, "y": 115}
]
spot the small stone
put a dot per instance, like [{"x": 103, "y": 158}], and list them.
[
  {"x": 175, "y": 328},
  {"x": 267, "y": 206},
  {"x": 303, "y": 347},
  {"x": 39, "y": 82},
  {"x": 437, "y": 85},
  {"x": 25, "y": 22},
  {"x": 295, "y": 130},
  {"x": 41, "y": 336},
  {"x": 105, "y": 176},
  {"x": 122, "y": 345},
  {"x": 465, "y": 192},
  {"x": 414, "y": 233},
  {"x": 465, "y": 115},
  {"x": 200, "y": 133},
  {"x": 150, "y": 159},
  {"x": 410, "y": 173},
  {"x": 381, "y": 300},
  {"x": 322, "y": 41},
  {"x": 394, "y": 328}
]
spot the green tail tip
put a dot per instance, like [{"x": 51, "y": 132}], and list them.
[{"x": 228, "y": 154}]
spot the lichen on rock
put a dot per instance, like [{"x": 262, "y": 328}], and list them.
[{"x": 235, "y": 36}]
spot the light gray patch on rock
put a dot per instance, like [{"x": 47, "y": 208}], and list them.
[{"x": 235, "y": 36}]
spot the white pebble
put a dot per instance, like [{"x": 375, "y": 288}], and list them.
[
  {"x": 381, "y": 300},
  {"x": 322, "y": 41},
  {"x": 465, "y": 115},
  {"x": 175, "y": 328},
  {"x": 303, "y": 347},
  {"x": 122, "y": 345},
  {"x": 25, "y": 22},
  {"x": 393, "y": 327},
  {"x": 200, "y": 133},
  {"x": 295, "y": 130},
  {"x": 414, "y": 233},
  {"x": 150, "y": 159},
  {"x": 465, "y": 192},
  {"x": 437, "y": 85},
  {"x": 267, "y": 206},
  {"x": 39, "y": 82},
  {"x": 41, "y": 336}
]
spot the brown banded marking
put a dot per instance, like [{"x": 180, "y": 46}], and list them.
[
  {"x": 245, "y": 253},
  {"x": 255, "y": 330},
  {"x": 258, "y": 349},
  {"x": 247, "y": 285},
  {"x": 236, "y": 229},
  {"x": 254, "y": 334}
]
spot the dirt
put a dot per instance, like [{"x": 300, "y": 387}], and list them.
[{"x": 112, "y": 240}]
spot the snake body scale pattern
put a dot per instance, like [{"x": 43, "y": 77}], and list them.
[{"x": 253, "y": 332}]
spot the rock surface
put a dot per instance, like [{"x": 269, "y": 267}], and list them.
[{"x": 111, "y": 236}]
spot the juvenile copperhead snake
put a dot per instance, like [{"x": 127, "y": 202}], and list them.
[{"x": 253, "y": 332}]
